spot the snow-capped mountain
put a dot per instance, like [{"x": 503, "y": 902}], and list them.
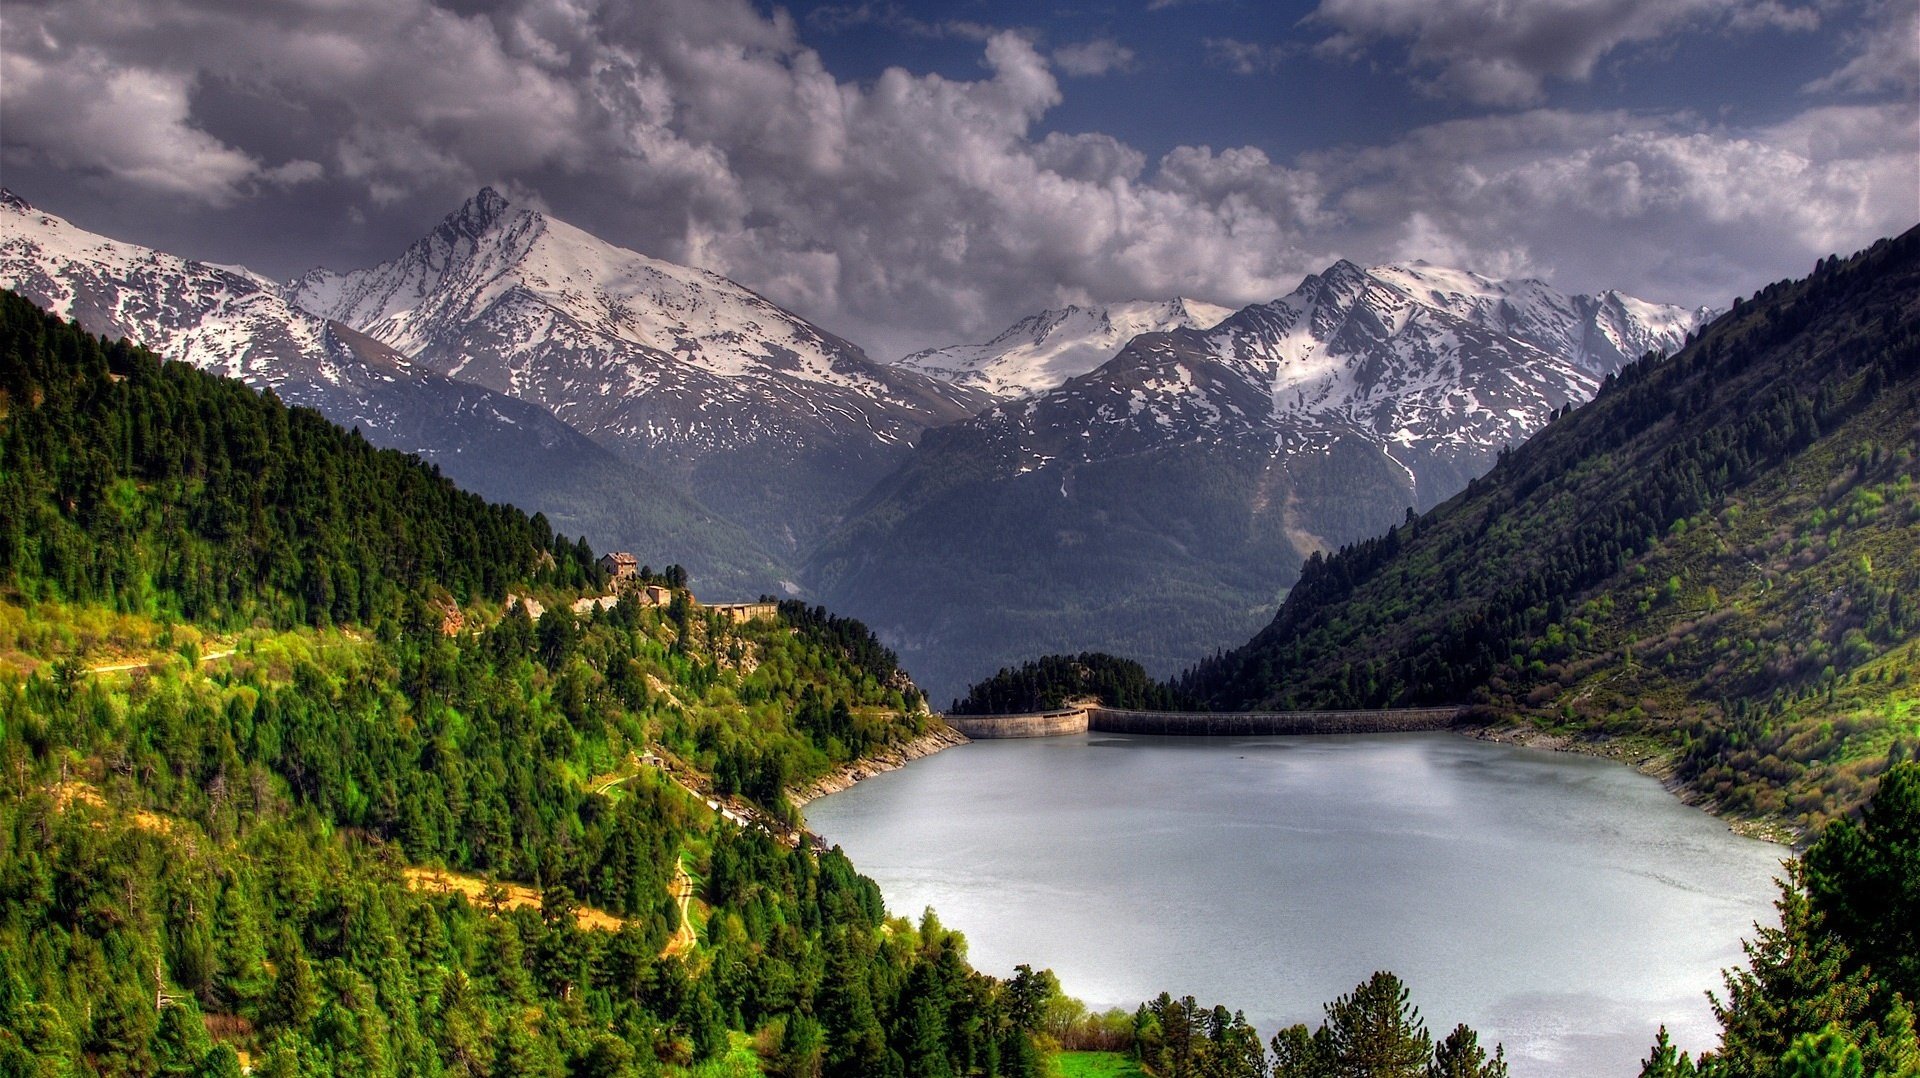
[
  {"x": 1207, "y": 463},
  {"x": 233, "y": 322},
  {"x": 1599, "y": 334},
  {"x": 771, "y": 418},
  {"x": 223, "y": 319},
  {"x": 1424, "y": 363},
  {"x": 1042, "y": 351}
]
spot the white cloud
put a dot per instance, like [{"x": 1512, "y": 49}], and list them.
[
  {"x": 1243, "y": 57},
  {"x": 130, "y": 125},
  {"x": 911, "y": 209},
  {"x": 1886, "y": 54},
  {"x": 1502, "y": 53},
  {"x": 1096, "y": 57}
]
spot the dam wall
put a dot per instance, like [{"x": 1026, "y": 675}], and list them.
[
  {"x": 1107, "y": 720},
  {"x": 1071, "y": 720},
  {"x": 1271, "y": 723}
]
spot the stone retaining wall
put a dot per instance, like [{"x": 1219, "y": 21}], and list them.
[
  {"x": 1038, "y": 724},
  {"x": 1108, "y": 720}
]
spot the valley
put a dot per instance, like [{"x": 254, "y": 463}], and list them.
[
  {"x": 959, "y": 539},
  {"x": 487, "y": 771},
  {"x": 1140, "y": 478}
]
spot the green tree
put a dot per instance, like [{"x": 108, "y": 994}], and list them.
[
  {"x": 1826, "y": 1054},
  {"x": 1864, "y": 880},
  {"x": 1376, "y": 1032},
  {"x": 1665, "y": 1060},
  {"x": 1459, "y": 1055}
]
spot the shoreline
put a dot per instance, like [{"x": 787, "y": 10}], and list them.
[
  {"x": 938, "y": 739},
  {"x": 1637, "y": 754}
]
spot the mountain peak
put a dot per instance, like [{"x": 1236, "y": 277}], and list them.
[
  {"x": 478, "y": 213},
  {"x": 12, "y": 201}
]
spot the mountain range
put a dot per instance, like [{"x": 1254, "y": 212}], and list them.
[
  {"x": 1164, "y": 501},
  {"x": 240, "y": 324},
  {"x": 1144, "y": 477},
  {"x": 771, "y": 420}
]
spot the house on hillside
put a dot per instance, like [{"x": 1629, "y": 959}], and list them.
[
  {"x": 619, "y": 566},
  {"x": 656, "y": 595}
]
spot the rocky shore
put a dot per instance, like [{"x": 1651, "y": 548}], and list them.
[{"x": 939, "y": 738}]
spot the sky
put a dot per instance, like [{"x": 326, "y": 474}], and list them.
[{"x": 910, "y": 174}]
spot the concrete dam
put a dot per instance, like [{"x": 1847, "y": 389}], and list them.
[{"x": 1107, "y": 720}]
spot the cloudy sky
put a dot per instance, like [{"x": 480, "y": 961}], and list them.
[{"x": 915, "y": 173}]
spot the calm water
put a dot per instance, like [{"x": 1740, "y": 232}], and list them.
[{"x": 1564, "y": 905}]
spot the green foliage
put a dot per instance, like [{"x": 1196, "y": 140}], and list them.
[
  {"x": 1095, "y": 1065},
  {"x": 154, "y": 488},
  {"x": 1459, "y": 1055},
  {"x": 1826, "y": 1054},
  {"x": 1720, "y": 553},
  {"x": 1050, "y": 681},
  {"x": 1665, "y": 1060},
  {"x": 1863, "y": 878},
  {"x": 1818, "y": 995},
  {"x": 1374, "y": 1031},
  {"x": 198, "y": 858}
]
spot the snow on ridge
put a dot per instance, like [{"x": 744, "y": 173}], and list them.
[
  {"x": 620, "y": 344},
  {"x": 489, "y": 253},
  {"x": 1409, "y": 356},
  {"x": 1042, "y": 351}
]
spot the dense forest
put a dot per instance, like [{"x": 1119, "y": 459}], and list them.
[
  {"x": 1048, "y": 682},
  {"x": 151, "y": 488},
  {"x": 1719, "y": 554},
  {"x": 1831, "y": 991},
  {"x": 243, "y": 821}
]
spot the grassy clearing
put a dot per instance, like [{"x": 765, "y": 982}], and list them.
[{"x": 1096, "y": 1065}]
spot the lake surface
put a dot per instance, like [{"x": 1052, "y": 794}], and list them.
[{"x": 1564, "y": 905}]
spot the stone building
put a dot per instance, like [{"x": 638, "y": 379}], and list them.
[{"x": 620, "y": 566}]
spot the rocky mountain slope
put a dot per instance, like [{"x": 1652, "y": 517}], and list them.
[
  {"x": 235, "y": 323},
  {"x": 772, "y": 420},
  {"x": 1043, "y": 350},
  {"x": 1154, "y": 503},
  {"x": 1721, "y": 553}
]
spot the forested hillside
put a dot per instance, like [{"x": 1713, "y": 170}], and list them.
[
  {"x": 1721, "y": 552},
  {"x": 1050, "y": 681},
  {"x": 246, "y": 818},
  {"x": 153, "y": 488}
]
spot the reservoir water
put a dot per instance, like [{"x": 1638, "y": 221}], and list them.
[{"x": 1564, "y": 905}]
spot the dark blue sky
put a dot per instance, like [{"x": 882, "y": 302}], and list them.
[
  {"x": 1179, "y": 90},
  {"x": 919, "y": 173}
]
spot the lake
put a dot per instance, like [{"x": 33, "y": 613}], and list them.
[{"x": 1562, "y": 904}]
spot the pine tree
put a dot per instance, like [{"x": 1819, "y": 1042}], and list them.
[
  {"x": 1826, "y": 1054},
  {"x": 1376, "y": 1032},
  {"x": 1666, "y": 1061},
  {"x": 1460, "y": 1056}
]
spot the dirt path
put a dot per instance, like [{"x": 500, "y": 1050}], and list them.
[
  {"x": 513, "y": 896},
  {"x": 142, "y": 664},
  {"x": 685, "y": 939}
]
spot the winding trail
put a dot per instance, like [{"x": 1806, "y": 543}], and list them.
[
  {"x": 685, "y": 939},
  {"x": 142, "y": 664}
]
